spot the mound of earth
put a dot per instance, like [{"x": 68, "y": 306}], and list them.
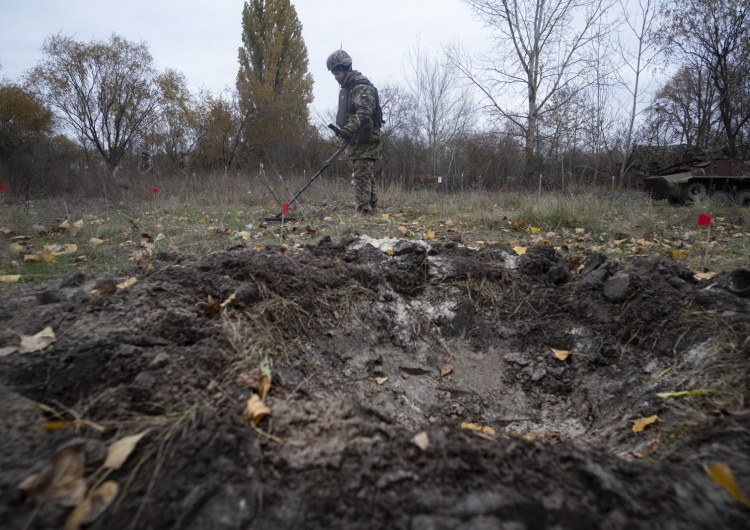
[{"x": 412, "y": 386}]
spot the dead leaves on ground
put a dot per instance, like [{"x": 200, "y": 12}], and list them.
[
  {"x": 31, "y": 343},
  {"x": 62, "y": 481},
  {"x": 640, "y": 424},
  {"x": 723, "y": 476}
]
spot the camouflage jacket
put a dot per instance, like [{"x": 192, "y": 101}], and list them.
[{"x": 356, "y": 105}]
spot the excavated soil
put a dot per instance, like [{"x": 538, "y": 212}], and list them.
[{"x": 413, "y": 386}]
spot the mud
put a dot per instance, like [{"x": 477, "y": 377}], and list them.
[{"x": 369, "y": 344}]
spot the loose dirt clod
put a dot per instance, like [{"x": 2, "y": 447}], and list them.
[{"x": 411, "y": 387}]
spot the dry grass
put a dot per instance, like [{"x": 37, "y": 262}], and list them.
[{"x": 203, "y": 215}]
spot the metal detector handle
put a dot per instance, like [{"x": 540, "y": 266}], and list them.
[{"x": 334, "y": 129}]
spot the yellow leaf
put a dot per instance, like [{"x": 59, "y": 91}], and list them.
[
  {"x": 519, "y": 250},
  {"x": 18, "y": 247},
  {"x": 65, "y": 225},
  {"x": 421, "y": 440},
  {"x": 32, "y": 343},
  {"x": 429, "y": 234},
  {"x": 78, "y": 224},
  {"x": 389, "y": 251},
  {"x": 127, "y": 283},
  {"x": 31, "y": 258},
  {"x": 384, "y": 216},
  {"x": 679, "y": 254},
  {"x": 381, "y": 380},
  {"x": 477, "y": 427},
  {"x": 95, "y": 241},
  {"x": 228, "y": 301},
  {"x": 446, "y": 369},
  {"x": 533, "y": 229},
  {"x": 722, "y": 475},
  {"x": 580, "y": 231},
  {"x": 119, "y": 451},
  {"x": 92, "y": 506},
  {"x": 642, "y": 423},
  {"x": 561, "y": 354},
  {"x": 517, "y": 224},
  {"x": 704, "y": 275},
  {"x": 255, "y": 410},
  {"x": 9, "y": 278}
]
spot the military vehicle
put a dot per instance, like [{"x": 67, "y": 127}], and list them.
[{"x": 724, "y": 181}]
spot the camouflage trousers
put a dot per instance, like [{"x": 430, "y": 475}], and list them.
[{"x": 365, "y": 194}]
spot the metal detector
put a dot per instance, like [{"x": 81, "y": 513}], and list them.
[{"x": 322, "y": 168}]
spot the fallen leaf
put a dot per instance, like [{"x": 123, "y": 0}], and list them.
[
  {"x": 92, "y": 506},
  {"x": 255, "y": 410},
  {"x": 127, "y": 283},
  {"x": 477, "y": 427},
  {"x": 78, "y": 224},
  {"x": 421, "y": 440},
  {"x": 704, "y": 275},
  {"x": 31, "y": 258},
  {"x": 107, "y": 288},
  {"x": 561, "y": 354},
  {"x": 520, "y": 251},
  {"x": 679, "y": 254},
  {"x": 48, "y": 257},
  {"x": 641, "y": 423},
  {"x": 228, "y": 301},
  {"x": 722, "y": 475},
  {"x": 37, "y": 342},
  {"x": 533, "y": 229},
  {"x": 446, "y": 369},
  {"x": 96, "y": 241},
  {"x": 381, "y": 380},
  {"x": 120, "y": 450},
  {"x": 9, "y": 278},
  {"x": 60, "y": 481},
  {"x": 429, "y": 234},
  {"x": 7, "y": 350}
]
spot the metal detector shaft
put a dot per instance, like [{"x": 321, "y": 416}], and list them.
[{"x": 325, "y": 165}]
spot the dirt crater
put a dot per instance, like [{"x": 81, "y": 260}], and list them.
[{"x": 370, "y": 342}]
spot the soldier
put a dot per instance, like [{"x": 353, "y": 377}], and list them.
[{"x": 358, "y": 107}]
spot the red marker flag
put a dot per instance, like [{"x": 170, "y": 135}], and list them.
[
  {"x": 704, "y": 219},
  {"x": 284, "y": 208}
]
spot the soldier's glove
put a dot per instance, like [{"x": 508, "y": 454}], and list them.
[{"x": 345, "y": 134}]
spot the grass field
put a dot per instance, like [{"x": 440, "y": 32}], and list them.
[{"x": 51, "y": 237}]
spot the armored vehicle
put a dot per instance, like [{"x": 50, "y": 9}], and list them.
[{"x": 724, "y": 181}]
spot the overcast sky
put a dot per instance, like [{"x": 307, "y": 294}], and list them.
[{"x": 201, "y": 38}]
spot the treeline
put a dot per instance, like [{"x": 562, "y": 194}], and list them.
[{"x": 580, "y": 105}]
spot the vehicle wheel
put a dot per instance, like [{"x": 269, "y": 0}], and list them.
[
  {"x": 695, "y": 192},
  {"x": 743, "y": 198},
  {"x": 722, "y": 198}
]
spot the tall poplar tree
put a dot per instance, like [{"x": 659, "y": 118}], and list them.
[{"x": 273, "y": 81}]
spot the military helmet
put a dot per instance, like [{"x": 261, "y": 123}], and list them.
[{"x": 338, "y": 58}]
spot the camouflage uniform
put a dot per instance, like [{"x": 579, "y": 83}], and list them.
[{"x": 356, "y": 105}]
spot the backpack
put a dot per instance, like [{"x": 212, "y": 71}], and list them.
[{"x": 377, "y": 114}]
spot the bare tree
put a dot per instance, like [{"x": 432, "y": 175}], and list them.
[
  {"x": 639, "y": 50},
  {"x": 104, "y": 90},
  {"x": 716, "y": 34},
  {"x": 441, "y": 107},
  {"x": 542, "y": 49}
]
